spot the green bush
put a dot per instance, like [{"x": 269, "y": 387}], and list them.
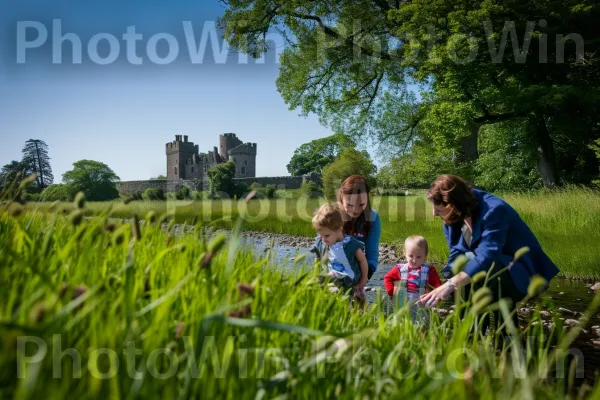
[
  {"x": 199, "y": 195},
  {"x": 263, "y": 192},
  {"x": 391, "y": 192},
  {"x": 183, "y": 193},
  {"x": 270, "y": 191},
  {"x": 135, "y": 196},
  {"x": 154, "y": 194},
  {"x": 241, "y": 189},
  {"x": 311, "y": 189},
  {"x": 57, "y": 192},
  {"x": 221, "y": 179},
  {"x": 34, "y": 197}
]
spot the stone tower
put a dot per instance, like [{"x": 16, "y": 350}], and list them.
[
  {"x": 228, "y": 141},
  {"x": 244, "y": 158},
  {"x": 178, "y": 152}
]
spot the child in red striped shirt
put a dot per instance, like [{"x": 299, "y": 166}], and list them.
[{"x": 416, "y": 277}]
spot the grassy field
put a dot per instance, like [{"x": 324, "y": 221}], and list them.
[
  {"x": 91, "y": 309},
  {"x": 567, "y": 222}
]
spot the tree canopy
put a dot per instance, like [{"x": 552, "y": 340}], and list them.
[
  {"x": 12, "y": 172},
  {"x": 349, "y": 162},
  {"x": 317, "y": 154},
  {"x": 95, "y": 179},
  {"x": 355, "y": 64}
]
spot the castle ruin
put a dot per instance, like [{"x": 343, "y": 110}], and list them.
[
  {"x": 186, "y": 166},
  {"x": 185, "y": 162}
]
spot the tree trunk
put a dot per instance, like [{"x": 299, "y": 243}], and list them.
[
  {"x": 545, "y": 152},
  {"x": 39, "y": 160},
  {"x": 468, "y": 144}
]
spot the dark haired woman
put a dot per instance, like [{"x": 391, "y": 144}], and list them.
[
  {"x": 489, "y": 231},
  {"x": 362, "y": 222}
]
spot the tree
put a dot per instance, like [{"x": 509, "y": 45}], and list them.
[
  {"x": 57, "y": 192},
  {"x": 507, "y": 161},
  {"x": 12, "y": 173},
  {"x": 420, "y": 167},
  {"x": 349, "y": 162},
  {"x": 315, "y": 155},
  {"x": 95, "y": 179},
  {"x": 159, "y": 178},
  {"x": 11, "y": 176},
  {"x": 351, "y": 61},
  {"x": 35, "y": 156},
  {"x": 596, "y": 147},
  {"x": 220, "y": 178}
]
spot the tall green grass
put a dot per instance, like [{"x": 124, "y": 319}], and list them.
[
  {"x": 566, "y": 221},
  {"x": 150, "y": 314}
]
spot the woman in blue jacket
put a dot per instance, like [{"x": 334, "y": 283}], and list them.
[
  {"x": 362, "y": 222},
  {"x": 490, "y": 231}
]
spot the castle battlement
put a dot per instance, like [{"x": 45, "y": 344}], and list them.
[{"x": 185, "y": 162}]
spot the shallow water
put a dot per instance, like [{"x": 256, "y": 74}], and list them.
[{"x": 572, "y": 295}]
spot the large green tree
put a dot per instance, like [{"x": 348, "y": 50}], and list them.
[
  {"x": 317, "y": 154},
  {"x": 94, "y": 178},
  {"x": 36, "y": 158},
  {"x": 479, "y": 63},
  {"x": 349, "y": 162}
]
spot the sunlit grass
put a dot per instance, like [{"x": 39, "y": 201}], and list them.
[
  {"x": 566, "y": 221},
  {"x": 170, "y": 311}
]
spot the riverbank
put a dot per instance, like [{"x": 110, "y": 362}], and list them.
[{"x": 566, "y": 221}]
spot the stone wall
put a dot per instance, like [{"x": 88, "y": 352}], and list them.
[
  {"x": 130, "y": 187},
  {"x": 281, "y": 182}
]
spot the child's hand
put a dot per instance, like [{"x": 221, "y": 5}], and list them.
[
  {"x": 359, "y": 293},
  {"x": 396, "y": 290}
]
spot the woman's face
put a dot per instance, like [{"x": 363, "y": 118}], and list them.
[
  {"x": 354, "y": 204},
  {"x": 440, "y": 210}
]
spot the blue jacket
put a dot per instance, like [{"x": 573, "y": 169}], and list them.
[
  {"x": 498, "y": 232},
  {"x": 372, "y": 241}
]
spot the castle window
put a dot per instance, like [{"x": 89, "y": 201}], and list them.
[
  {"x": 243, "y": 170},
  {"x": 233, "y": 159},
  {"x": 175, "y": 171},
  {"x": 245, "y": 162},
  {"x": 192, "y": 170}
]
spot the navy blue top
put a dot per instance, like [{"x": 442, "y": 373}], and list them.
[{"x": 498, "y": 232}]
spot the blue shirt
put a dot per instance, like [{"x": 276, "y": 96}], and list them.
[
  {"x": 349, "y": 246},
  {"x": 372, "y": 241}
]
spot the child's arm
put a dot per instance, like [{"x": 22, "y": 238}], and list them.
[
  {"x": 315, "y": 248},
  {"x": 392, "y": 276},
  {"x": 364, "y": 268},
  {"x": 433, "y": 279}
]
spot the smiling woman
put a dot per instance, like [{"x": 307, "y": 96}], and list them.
[
  {"x": 361, "y": 221},
  {"x": 490, "y": 232}
]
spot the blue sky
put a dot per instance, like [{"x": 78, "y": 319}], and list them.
[{"x": 123, "y": 114}]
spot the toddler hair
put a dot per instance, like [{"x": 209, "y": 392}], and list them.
[
  {"x": 418, "y": 241},
  {"x": 328, "y": 216}
]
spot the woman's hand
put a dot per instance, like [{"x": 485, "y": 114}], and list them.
[{"x": 436, "y": 295}]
